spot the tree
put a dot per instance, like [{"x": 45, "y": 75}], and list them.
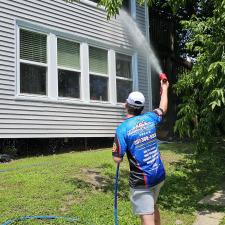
[{"x": 202, "y": 112}]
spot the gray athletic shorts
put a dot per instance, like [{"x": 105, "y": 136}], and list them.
[{"x": 144, "y": 199}]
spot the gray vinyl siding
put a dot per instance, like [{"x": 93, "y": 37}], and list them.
[
  {"x": 43, "y": 119},
  {"x": 143, "y": 82}
]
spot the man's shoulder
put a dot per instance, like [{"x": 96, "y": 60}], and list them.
[
  {"x": 148, "y": 114},
  {"x": 125, "y": 125},
  {"x": 122, "y": 125}
]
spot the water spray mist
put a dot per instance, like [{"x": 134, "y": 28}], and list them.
[{"x": 139, "y": 40}]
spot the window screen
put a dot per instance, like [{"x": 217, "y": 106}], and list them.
[
  {"x": 98, "y": 88},
  {"x": 32, "y": 79},
  {"x": 69, "y": 84},
  {"x": 33, "y": 57}
]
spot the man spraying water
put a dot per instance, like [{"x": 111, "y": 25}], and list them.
[{"x": 136, "y": 137}]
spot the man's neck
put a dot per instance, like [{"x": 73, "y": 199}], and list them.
[{"x": 129, "y": 115}]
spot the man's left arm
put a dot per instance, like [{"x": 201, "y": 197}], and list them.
[{"x": 119, "y": 148}]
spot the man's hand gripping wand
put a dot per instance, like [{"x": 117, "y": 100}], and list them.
[{"x": 163, "y": 78}]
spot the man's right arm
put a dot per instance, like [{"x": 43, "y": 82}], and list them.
[
  {"x": 117, "y": 159},
  {"x": 116, "y": 151},
  {"x": 163, "y": 105}
]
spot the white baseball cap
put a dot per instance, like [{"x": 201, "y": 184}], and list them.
[{"x": 136, "y": 98}]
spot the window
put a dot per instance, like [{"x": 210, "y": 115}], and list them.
[
  {"x": 33, "y": 62},
  {"x": 124, "y": 81},
  {"x": 68, "y": 60},
  {"x": 98, "y": 70},
  {"x": 53, "y": 66}
]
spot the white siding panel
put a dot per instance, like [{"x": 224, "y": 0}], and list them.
[
  {"x": 8, "y": 98},
  {"x": 7, "y": 63},
  {"x": 7, "y": 87},
  {"x": 6, "y": 39},
  {"x": 6, "y": 46},
  {"x": 78, "y": 29},
  {"x": 56, "y": 113},
  {"x": 66, "y": 13},
  {"x": 6, "y": 92},
  {"x": 7, "y": 26},
  {"x": 47, "y": 131},
  {"x": 30, "y": 118},
  {"x": 6, "y": 78},
  {"x": 74, "y": 24},
  {"x": 60, "y": 128},
  {"x": 7, "y": 50},
  {"x": 6, "y": 67},
  {"x": 54, "y": 135},
  {"x": 60, "y": 110},
  {"x": 7, "y": 32},
  {"x": 6, "y": 82},
  {"x": 7, "y": 57},
  {"x": 7, "y": 74},
  {"x": 17, "y": 119},
  {"x": 49, "y": 119},
  {"x": 100, "y": 108}
]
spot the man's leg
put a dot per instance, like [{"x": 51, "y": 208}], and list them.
[
  {"x": 157, "y": 216},
  {"x": 151, "y": 219},
  {"x": 156, "y": 191},
  {"x": 148, "y": 219}
]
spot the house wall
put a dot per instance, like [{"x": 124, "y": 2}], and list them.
[{"x": 32, "y": 118}]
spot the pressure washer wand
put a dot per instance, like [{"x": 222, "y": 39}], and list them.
[
  {"x": 115, "y": 194},
  {"x": 163, "y": 77}
]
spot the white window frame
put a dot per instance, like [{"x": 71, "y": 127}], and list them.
[
  {"x": 133, "y": 69},
  {"x": 19, "y": 61}
]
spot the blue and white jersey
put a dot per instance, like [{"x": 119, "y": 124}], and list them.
[{"x": 136, "y": 136}]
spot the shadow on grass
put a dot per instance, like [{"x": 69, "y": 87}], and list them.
[
  {"x": 94, "y": 180},
  {"x": 177, "y": 147},
  {"x": 192, "y": 179}
]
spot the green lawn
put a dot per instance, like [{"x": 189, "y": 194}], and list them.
[
  {"x": 223, "y": 222},
  {"x": 80, "y": 184}
]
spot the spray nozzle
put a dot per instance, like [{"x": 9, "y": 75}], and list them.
[{"x": 163, "y": 77}]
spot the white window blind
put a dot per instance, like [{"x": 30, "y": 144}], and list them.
[
  {"x": 68, "y": 57},
  {"x": 33, "y": 46},
  {"x": 98, "y": 59},
  {"x": 68, "y": 54}
]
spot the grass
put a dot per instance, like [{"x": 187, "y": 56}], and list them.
[
  {"x": 223, "y": 222},
  {"x": 80, "y": 184}
]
